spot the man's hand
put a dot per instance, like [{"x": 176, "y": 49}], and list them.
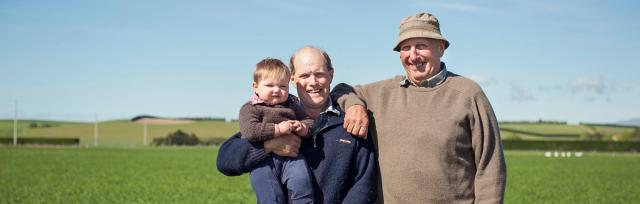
[
  {"x": 287, "y": 145},
  {"x": 356, "y": 121},
  {"x": 283, "y": 128},
  {"x": 299, "y": 128}
]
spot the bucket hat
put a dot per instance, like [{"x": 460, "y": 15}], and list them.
[{"x": 422, "y": 25}]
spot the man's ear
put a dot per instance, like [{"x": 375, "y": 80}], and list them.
[
  {"x": 442, "y": 48},
  {"x": 292, "y": 80},
  {"x": 330, "y": 75}
]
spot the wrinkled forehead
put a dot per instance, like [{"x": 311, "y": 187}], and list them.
[{"x": 309, "y": 65}]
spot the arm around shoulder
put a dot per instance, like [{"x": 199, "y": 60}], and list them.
[
  {"x": 346, "y": 96},
  {"x": 356, "y": 120}
]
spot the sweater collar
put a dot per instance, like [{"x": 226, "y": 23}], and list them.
[
  {"x": 330, "y": 108},
  {"x": 430, "y": 82}
]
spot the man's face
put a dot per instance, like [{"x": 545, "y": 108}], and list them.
[
  {"x": 420, "y": 58},
  {"x": 311, "y": 78},
  {"x": 272, "y": 90}
]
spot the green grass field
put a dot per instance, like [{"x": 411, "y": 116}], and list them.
[
  {"x": 544, "y": 128},
  {"x": 134, "y": 175},
  {"x": 188, "y": 175},
  {"x": 556, "y": 131},
  {"x": 594, "y": 178}
]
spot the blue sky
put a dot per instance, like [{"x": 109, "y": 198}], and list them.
[{"x": 72, "y": 60}]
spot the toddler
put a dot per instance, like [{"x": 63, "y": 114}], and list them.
[{"x": 271, "y": 113}]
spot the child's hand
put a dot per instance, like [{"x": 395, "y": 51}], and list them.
[
  {"x": 300, "y": 128},
  {"x": 284, "y": 127}
]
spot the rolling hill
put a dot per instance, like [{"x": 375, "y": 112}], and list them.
[{"x": 127, "y": 133}]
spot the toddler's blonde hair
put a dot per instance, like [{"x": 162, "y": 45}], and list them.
[{"x": 268, "y": 68}]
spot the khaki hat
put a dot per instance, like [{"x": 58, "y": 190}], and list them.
[{"x": 422, "y": 25}]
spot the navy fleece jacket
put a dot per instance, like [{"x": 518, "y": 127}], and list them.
[{"x": 344, "y": 167}]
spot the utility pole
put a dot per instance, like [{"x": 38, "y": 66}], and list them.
[
  {"x": 145, "y": 132},
  {"x": 95, "y": 132},
  {"x": 15, "y": 125}
]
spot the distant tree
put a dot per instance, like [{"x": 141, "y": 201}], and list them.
[
  {"x": 181, "y": 138},
  {"x": 159, "y": 141},
  {"x": 33, "y": 125},
  {"x": 636, "y": 135},
  {"x": 592, "y": 134},
  {"x": 633, "y": 136}
]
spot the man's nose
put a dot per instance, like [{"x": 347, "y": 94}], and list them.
[
  {"x": 413, "y": 55},
  {"x": 313, "y": 80}
]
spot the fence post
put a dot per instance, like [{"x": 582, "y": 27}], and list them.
[{"x": 15, "y": 125}]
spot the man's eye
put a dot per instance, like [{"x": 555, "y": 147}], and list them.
[
  {"x": 422, "y": 46},
  {"x": 405, "y": 48}
]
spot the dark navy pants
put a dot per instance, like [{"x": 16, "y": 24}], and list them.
[{"x": 272, "y": 175}]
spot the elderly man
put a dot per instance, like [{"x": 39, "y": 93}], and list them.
[
  {"x": 436, "y": 134},
  {"x": 344, "y": 167}
]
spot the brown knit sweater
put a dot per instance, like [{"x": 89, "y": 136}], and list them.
[
  {"x": 257, "y": 121},
  {"x": 435, "y": 145}
]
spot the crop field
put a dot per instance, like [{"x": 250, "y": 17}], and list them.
[
  {"x": 611, "y": 130},
  {"x": 544, "y": 128},
  {"x": 118, "y": 133},
  {"x": 562, "y": 132},
  {"x": 134, "y": 175},
  {"x": 593, "y": 178},
  {"x": 188, "y": 175}
]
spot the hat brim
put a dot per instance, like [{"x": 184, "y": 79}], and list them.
[{"x": 419, "y": 34}]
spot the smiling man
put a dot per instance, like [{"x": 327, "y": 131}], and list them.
[
  {"x": 436, "y": 134},
  {"x": 311, "y": 78},
  {"x": 343, "y": 167}
]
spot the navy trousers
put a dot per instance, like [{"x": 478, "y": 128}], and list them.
[{"x": 270, "y": 178}]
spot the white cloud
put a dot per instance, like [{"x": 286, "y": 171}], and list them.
[
  {"x": 591, "y": 85},
  {"x": 551, "y": 88},
  {"x": 519, "y": 93}
]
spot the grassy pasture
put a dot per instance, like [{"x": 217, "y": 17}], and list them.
[
  {"x": 188, "y": 175},
  {"x": 546, "y": 131},
  {"x": 594, "y": 178},
  {"x": 611, "y": 130},
  {"x": 134, "y": 175},
  {"x": 120, "y": 133},
  {"x": 542, "y": 131},
  {"x": 545, "y": 128}
]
